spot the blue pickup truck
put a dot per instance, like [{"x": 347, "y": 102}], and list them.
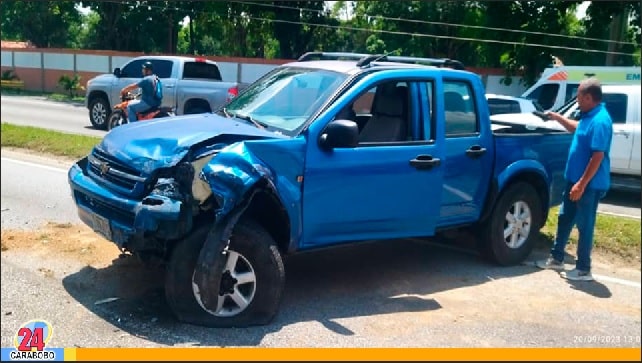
[{"x": 333, "y": 149}]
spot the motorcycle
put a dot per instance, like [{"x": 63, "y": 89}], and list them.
[{"x": 119, "y": 113}]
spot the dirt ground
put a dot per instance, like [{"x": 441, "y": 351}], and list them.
[
  {"x": 75, "y": 242},
  {"x": 80, "y": 243}
]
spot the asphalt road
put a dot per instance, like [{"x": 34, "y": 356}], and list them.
[
  {"x": 37, "y": 111},
  {"x": 40, "y": 112},
  {"x": 393, "y": 294}
]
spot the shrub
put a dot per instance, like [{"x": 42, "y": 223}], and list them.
[
  {"x": 70, "y": 84},
  {"x": 9, "y": 75}
]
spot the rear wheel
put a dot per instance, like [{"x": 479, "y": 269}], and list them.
[
  {"x": 116, "y": 119},
  {"x": 509, "y": 235},
  {"x": 251, "y": 283}
]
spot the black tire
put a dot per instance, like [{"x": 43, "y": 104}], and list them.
[
  {"x": 116, "y": 119},
  {"x": 99, "y": 112},
  {"x": 253, "y": 246},
  {"x": 515, "y": 248}
]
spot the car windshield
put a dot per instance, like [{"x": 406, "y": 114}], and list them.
[
  {"x": 564, "y": 108},
  {"x": 285, "y": 98}
]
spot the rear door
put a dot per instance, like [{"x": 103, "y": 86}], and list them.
[
  {"x": 625, "y": 118},
  {"x": 468, "y": 157},
  {"x": 167, "y": 70}
]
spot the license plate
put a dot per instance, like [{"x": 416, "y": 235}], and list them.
[{"x": 101, "y": 226}]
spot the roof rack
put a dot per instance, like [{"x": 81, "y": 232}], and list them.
[
  {"x": 330, "y": 56},
  {"x": 366, "y": 59}
]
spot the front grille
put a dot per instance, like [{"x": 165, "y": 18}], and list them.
[{"x": 105, "y": 168}]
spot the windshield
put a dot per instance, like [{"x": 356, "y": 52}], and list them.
[
  {"x": 564, "y": 108},
  {"x": 285, "y": 98}
]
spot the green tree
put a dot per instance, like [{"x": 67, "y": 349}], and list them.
[
  {"x": 131, "y": 25},
  {"x": 44, "y": 23},
  {"x": 618, "y": 22}
]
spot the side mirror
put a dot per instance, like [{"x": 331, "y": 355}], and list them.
[
  {"x": 340, "y": 134},
  {"x": 117, "y": 72}
]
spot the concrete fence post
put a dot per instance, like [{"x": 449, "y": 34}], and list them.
[{"x": 42, "y": 71}]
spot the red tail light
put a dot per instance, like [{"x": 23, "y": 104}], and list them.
[{"x": 232, "y": 92}]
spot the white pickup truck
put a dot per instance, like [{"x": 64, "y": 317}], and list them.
[
  {"x": 623, "y": 104},
  {"x": 191, "y": 85}
]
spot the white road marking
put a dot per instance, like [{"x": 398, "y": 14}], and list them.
[
  {"x": 35, "y": 165},
  {"x": 617, "y": 281},
  {"x": 614, "y": 280},
  {"x": 619, "y": 215}
]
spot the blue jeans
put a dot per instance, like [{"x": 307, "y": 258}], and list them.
[
  {"x": 136, "y": 106},
  {"x": 583, "y": 214}
]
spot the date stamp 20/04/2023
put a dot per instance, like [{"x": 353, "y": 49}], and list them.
[{"x": 606, "y": 339}]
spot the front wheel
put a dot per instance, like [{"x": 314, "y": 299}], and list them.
[
  {"x": 116, "y": 119},
  {"x": 251, "y": 284},
  {"x": 98, "y": 113},
  {"x": 509, "y": 235}
]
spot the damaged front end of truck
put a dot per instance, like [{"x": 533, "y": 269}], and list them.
[{"x": 144, "y": 203}]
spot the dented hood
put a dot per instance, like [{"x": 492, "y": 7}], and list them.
[{"x": 152, "y": 144}]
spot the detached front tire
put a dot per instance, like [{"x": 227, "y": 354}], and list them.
[
  {"x": 509, "y": 235},
  {"x": 251, "y": 284}
]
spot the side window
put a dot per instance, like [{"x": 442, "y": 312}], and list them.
[
  {"x": 390, "y": 120},
  {"x": 616, "y": 104},
  {"x": 571, "y": 91},
  {"x": 545, "y": 95},
  {"x": 428, "y": 100},
  {"x": 460, "y": 113},
  {"x": 363, "y": 104},
  {"x": 500, "y": 106},
  {"x": 162, "y": 68},
  {"x": 201, "y": 70},
  {"x": 133, "y": 69}
]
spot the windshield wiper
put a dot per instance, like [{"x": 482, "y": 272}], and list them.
[{"x": 249, "y": 119}]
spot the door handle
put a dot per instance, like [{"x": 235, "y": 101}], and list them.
[
  {"x": 169, "y": 86},
  {"x": 622, "y": 133},
  {"x": 475, "y": 151},
  {"x": 423, "y": 162}
]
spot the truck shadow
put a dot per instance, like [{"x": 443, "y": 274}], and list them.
[{"x": 325, "y": 286}]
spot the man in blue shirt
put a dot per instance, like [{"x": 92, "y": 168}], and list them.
[
  {"x": 148, "y": 88},
  {"x": 588, "y": 176}
]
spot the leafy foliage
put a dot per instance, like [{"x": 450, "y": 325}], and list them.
[
  {"x": 520, "y": 36},
  {"x": 70, "y": 84},
  {"x": 9, "y": 75}
]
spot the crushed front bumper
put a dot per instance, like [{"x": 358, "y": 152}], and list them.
[{"x": 129, "y": 223}]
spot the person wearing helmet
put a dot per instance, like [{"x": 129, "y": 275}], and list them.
[{"x": 148, "y": 87}]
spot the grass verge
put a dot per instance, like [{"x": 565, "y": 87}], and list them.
[
  {"x": 46, "y": 141},
  {"x": 617, "y": 236},
  {"x": 59, "y": 97}
]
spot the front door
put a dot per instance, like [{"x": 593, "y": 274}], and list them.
[{"x": 389, "y": 186}]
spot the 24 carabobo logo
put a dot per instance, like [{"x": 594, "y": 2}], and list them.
[{"x": 31, "y": 339}]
